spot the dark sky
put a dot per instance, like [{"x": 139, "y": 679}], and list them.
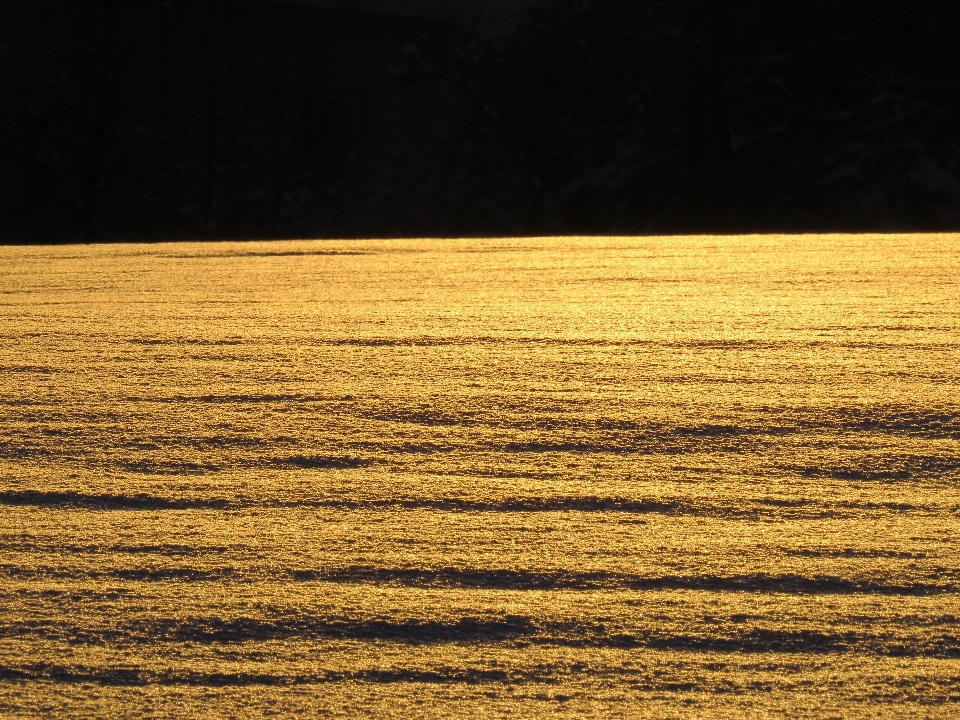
[{"x": 203, "y": 119}]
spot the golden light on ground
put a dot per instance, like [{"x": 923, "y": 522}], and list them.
[{"x": 663, "y": 477}]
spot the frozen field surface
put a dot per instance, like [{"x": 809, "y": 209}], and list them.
[{"x": 573, "y": 477}]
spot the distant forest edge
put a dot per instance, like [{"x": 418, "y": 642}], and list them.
[{"x": 143, "y": 120}]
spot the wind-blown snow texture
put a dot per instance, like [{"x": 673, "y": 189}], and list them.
[{"x": 656, "y": 477}]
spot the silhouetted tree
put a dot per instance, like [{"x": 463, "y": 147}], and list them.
[
  {"x": 248, "y": 118},
  {"x": 703, "y": 115}
]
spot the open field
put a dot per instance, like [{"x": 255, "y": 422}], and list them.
[{"x": 575, "y": 477}]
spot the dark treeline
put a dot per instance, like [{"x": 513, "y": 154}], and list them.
[{"x": 124, "y": 119}]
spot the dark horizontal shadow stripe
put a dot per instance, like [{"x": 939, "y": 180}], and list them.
[
  {"x": 33, "y": 369},
  {"x": 145, "y": 574},
  {"x": 853, "y": 553},
  {"x": 637, "y": 677},
  {"x": 234, "y": 399},
  {"x": 900, "y": 420},
  {"x": 162, "y": 550},
  {"x": 106, "y": 501},
  {"x": 320, "y": 462},
  {"x": 139, "y": 677},
  {"x": 731, "y": 345},
  {"x": 186, "y": 341},
  {"x": 237, "y": 630},
  {"x": 269, "y": 253},
  {"x": 465, "y": 629},
  {"x": 568, "y": 580},
  {"x": 748, "y": 508},
  {"x": 509, "y": 629},
  {"x": 907, "y": 469},
  {"x": 934, "y": 583},
  {"x": 762, "y": 640},
  {"x": 525, "y": 505}
]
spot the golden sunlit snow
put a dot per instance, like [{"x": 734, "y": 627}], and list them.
[{"x": 585, "y": 477}]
